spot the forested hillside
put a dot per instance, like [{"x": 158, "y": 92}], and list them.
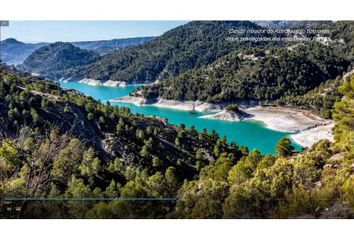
[
  {"x": 106, "y": 46},
  {"x": 278, "y": 74},
  {"x": 60, "y": 144},
  {"x": 189, "y": 46},
  {"x": 258, "y": 74},
  {"x": 52, "y": 138},
  {"x": 320, "y": 100},
  {"x": 344, "y": 31},
  {"x": 186, "y": 47},
  {"x": 58, "y": 60}
]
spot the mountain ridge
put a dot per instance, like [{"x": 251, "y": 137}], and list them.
[
  {"x": 57, "y": 59},
  {"x": 14, "y": 52},
  {"x": 188, "y": 46}
]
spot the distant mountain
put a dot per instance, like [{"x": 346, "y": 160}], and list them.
[
  {"x": 14, "y": 52},
  {"x": 105, "y": 46},
  {"x": 189, "y": 46},
  {"x": 58, "y": 59},
  {"x": 290, "y": 24}
]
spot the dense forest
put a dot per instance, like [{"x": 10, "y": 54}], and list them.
[
  {"x": 186, "y": 47},
  {"x": 344, "y": 30},
  {"x": 319, "y": 100},
  {"x": 58, "y": 60},
  {"x": 257, "y": 74},
  {"x": 63, "y": 134},
  {"x": 60, "y": 144},
  {"x": 103, "y": 47},
  {"x": 300, "y": 75}
]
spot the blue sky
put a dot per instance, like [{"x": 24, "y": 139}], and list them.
[{"x": 68, "y": 31}]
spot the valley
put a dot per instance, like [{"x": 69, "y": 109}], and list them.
[
  {"x": 182, "y": 125},
  {"x": 253, "y": 135}
]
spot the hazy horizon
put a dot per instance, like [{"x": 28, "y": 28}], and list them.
[{"x": 76, "y": 31}]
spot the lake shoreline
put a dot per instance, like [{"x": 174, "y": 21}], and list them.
[
  {"x": 188, "y": 106},
  {"x": 97, "y": 83},
  {"x": 305, "y": 128},
  {"x": 308, "y": 137},
  {"x": 109, "y": 83}
]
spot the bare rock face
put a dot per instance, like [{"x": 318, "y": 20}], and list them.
[
  {"x": 206, "y": 107},
  {"x": 228, "y": 115},
  {"x": 113, "y": 146},
  {"x": 131, "y": 99}
]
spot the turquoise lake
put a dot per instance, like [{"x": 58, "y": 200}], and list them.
[{"x": 246, "y": 133}]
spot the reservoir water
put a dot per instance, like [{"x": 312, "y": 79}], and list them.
[{"x": 245, "y": 133}]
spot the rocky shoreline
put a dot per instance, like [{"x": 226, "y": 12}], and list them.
[
  {"x": 310, "y": 136},
  {"x": 130, "y": 99},
  {"x": 95, "y": 83},
  {"x": 226, "y": 115},
  {"x": 286, "y": 119},
  {"x": 305, "y": 127},
  {"x": 189, "y": 106},
  {"x": 109, "y": 83}
]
